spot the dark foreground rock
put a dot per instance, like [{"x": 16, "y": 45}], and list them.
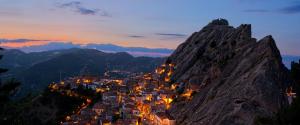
[{"x": 241, "y": 80}]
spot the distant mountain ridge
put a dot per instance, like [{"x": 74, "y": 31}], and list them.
[
  {"x": 38, "y": 69},
  {"x": 135, "y": 51}
]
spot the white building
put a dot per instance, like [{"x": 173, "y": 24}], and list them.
[{"x": 162, "y": 118}]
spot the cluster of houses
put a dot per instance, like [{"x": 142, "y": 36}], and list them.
[{"x": 132, "y": 100}]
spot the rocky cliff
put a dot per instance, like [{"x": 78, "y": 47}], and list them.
[{"x": 240, "y": 79}]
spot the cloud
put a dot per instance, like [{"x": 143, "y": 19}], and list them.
[
  {"x": 17, "y": 43},
  {"x": 70, "y": 4},
  {"x": 18, "y": 40},
  {"x": 136, "y": 36},
  {"x": 33, "y": 46},
  {"x": 171, "y": 34},
  {"x": 256, "y": 10},
  {"x": 85, "y": 11},
  {"x": 291, "y": 9},
  {"x": 55, "y": 45},
  {"x": 77, "y": 6}
]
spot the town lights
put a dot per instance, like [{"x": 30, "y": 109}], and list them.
[
  {"x": 168, "y": 106},
  {"x": 168, "y": 100},
  {"x": 119, "y": 82},
  {"x": 167, "y": 79},
  {"x": 88, "y": 101},
  {"x": 171, "y": 65},
  {"x": 78, "y": 81},
  {"x": 169, "y": 73},
  {"x": 136, "y": 123},
  {"x": 289, "y": 92},
  {"x": 145, "y": 95},
  {"x": 160, "y": 70},
  {"x": 173, "y": 86},
  {"x": 188, "y": 94},
  {"x": 148, "y": 98},
  {"x": 68, "y": 118},
  {"x": 87, "y": 81},
  {"x": 98, "y": 90}
]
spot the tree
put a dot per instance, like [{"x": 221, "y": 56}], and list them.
[
  {"x": 295, "y": 74},
  {"x": 7, "y": 89}
]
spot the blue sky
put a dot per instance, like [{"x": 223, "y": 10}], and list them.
[{"x": 143, "y": 23}]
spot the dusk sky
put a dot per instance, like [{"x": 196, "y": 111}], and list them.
[{"x": 142, "y": 23}]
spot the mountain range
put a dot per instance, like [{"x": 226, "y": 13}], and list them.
[
  {"x": 36, "y": 70},
  {"x": 111, "y": 48},
  {"x": 135, "y": 51}
]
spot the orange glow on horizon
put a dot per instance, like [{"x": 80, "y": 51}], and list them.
[
  {"x": 23, "y": 44},
  {"x": 82, "y": 39},
  {"x": 76, "y": 35}
]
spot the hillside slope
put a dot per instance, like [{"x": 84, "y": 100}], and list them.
[{"x": 37, "y": 70}]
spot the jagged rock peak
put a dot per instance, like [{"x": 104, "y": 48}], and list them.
[
  {"x": 219, "y": 21},
  {"x": 237, "y": 80}
]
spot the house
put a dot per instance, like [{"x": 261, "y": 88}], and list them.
[
  {"x": 105, "y": 122},
  {"x": 147, "y": 96},
  {"x": 126, "y": 113},
  {"x": 131, "y": 121},
  {"x": 158, "y": 108},
  {"x": 99, "y": 108},
  {"x": 123, "y": 90},
  {"x": 87, "y": 112},
  {"x": 73, "y": 85},
  {"x": 140, "y": 98},
  {"x": 163, "y": 118},
  {"x": 128, "y": 106},
  {"x": 109, "y": 95},
  {"x": 136, "y": 112},
  {"x": 92, "y": 86}
]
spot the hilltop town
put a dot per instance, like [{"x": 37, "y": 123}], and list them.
[{"x": 138, "y": 98}]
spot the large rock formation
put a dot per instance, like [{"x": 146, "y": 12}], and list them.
[{"x": 241, "y": 80}]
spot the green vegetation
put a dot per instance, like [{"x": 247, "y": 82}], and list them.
[
  {"x": 36, "y": 70},
  {"x": 93, "y": 95},
  {"x": 47, "y": 108},
  {"x": 6, "y": 91}
]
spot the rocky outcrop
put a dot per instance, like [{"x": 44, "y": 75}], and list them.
[{"x": 240, "y": 79}]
